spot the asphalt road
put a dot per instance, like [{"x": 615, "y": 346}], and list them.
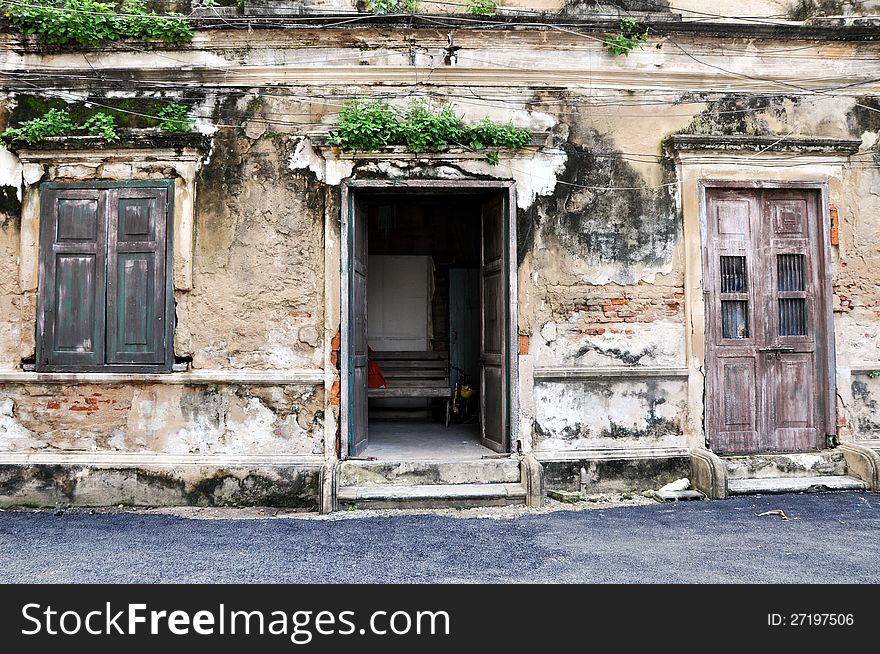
[{"x": 831, "y": 537}]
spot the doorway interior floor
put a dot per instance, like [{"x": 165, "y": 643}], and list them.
[{"x": 413, "y": 441}]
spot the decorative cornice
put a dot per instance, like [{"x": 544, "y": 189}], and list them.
[
  {"x": 812, "y": 145},
  {"x": 598, "y": 373},
  {"x": 578, "y": 74},
  {"x": 152, "y": 143}
]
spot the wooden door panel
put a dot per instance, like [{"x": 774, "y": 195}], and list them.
[
  {"x": 731, "y": 276},
  {"x": 761, "y": 280},
  {"x": 792, "y": 382},
  {"x": 493, "y": 307},
  {"x": 788, "y": 216},
  {"x": 493, "y": 401},
  {"x": 732, "y": 218},
  {"x": 72, "y": 296},
  {"x": 136, "y": 270},
  {"x": 794, "y": 416},
  {"x": 736, "y": 410},
  {"x": 739, "y": 382},
  {"x": 74, "y": 321},
  {"x": 493, "y": 325},
  {"x": 358, "y": 325}
]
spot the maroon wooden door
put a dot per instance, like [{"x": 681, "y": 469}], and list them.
[
  {"x": 493, "y": 327},
  {"x": 764, "y": 322}
]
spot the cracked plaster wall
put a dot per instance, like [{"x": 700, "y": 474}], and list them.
[
  {"x": 601, "y": 272},
  {"x": 228, "y": 419}
]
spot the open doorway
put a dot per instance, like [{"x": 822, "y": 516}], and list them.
[{"x": 426, "y": 290}]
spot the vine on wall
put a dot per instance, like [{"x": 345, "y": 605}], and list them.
[
  {"x": 367, "y": 125},
  {"x": 173, "y": 118},
  {"x": 630, "y": 37},
  {"x": 88, "y": 22}
]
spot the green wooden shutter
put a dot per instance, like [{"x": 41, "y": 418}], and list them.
[
  {"x": 137, "y": 330},
  {"x": 70, "y": 324}
]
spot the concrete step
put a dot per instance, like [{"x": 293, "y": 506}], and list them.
[
  {"x": 419, "y": 473},
  {"x": 808, "y": 464},
  {"x": 778, "y": 485},
  {"x": 431, "y": 496}
]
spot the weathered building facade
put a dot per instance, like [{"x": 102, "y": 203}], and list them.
[{"x": 681, "y": 265}]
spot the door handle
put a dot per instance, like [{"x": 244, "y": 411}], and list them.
[{"x": 774, "y": 351}]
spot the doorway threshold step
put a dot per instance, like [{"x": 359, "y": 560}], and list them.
[
  {"x": 418, "y": 473},
  {"x": 433, "y": 496},
  {"x": 779, "y": 485},
  {"x": 805, "y": 464}
]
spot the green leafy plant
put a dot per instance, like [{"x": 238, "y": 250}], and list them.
[
  {"x": 367, "y": 125},
  {"x": 424, "y": 126},
  {"x": 631, "y": 36},
  {"x": 393, "y": 6},
  {"x": 58, "y": 123},
  {"x": 481, "y": 7},
  {"x": 175, "y": 118},
  {"x": 489, "y": 133},
  {"x": 55, "y": 122},
  {"x": 103, "y": 125},
  {"x": 87, "y": 22}
]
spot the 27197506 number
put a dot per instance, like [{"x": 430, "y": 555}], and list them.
[{"x": 810, "y": 620}]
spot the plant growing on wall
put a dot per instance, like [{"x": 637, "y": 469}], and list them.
[
  {"x": 58, "y": 123},
  {"x": 392, "y": 6},
  {"x": 101, "y": 125},
  {"x": 367, "y": 125},
  {"x": 175, "y": 118},
  {"x": 87, "y": 22},
  {"x": 55, "y": 122},
  {"x": 481, "y": 7},
  {"x": 631, "y": 35}
]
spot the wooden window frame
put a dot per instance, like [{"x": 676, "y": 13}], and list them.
[{"x": 167, "y": 185}]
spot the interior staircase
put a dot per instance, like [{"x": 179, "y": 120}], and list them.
[
  {"x": 431, "y": 484},
  {"x": 821, "y": 471}
]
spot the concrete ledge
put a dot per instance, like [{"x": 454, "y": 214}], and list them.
[
  {"x": 779, "y": 485},
  {"x": 431, "y": 496},
  {"x": 863, "y": 462},
  {"x": 354, "y": 472},
  {"x": 599, "y": 373},
  {"x": 532, "y": 476},
  {"x": 623, "y": 473},
  {"x": 135, "y": 459},
  {"x": 604, "y": 453},
  {"x": 159, "y": 485},
  {"x": 267, "y": 377},
  {"x": 328, "y": 483},
  {"x": 708, "y": 473},
  {"x": 432, "y": 492},
  {"x": 747, "y": 143}
]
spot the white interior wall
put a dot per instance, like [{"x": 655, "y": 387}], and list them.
[{"x": 399, "y": 302}]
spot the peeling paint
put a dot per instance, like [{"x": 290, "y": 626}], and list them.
[{"x": 592, "y": 414}]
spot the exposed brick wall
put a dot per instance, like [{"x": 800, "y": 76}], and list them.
[{"x": 610, "y": 305}]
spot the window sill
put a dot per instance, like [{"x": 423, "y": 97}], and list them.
[
  {"x": 129, "y": 139},
  {"x": 262, "y": 377}
]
